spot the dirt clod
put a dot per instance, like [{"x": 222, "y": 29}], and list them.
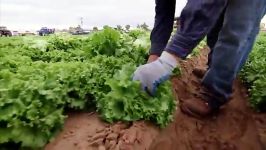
[{"x": 112, "y": 136}]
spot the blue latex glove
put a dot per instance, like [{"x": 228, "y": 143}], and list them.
[{"x": 152, "y": 74}]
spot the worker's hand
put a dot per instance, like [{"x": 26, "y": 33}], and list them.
[
  {"x": 152, "y": 74},
  {"x": 152, "y": 58}
]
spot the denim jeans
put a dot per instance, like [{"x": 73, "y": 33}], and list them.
[
  {"x": 197, "y": 18},
  {"x": 231, "y": 37},
  {"x": 251, "y": 40},
  {"x": 235, "y": 41},
  {"x": 213, "y": 34},
  {"x": 212, "y": 38}
]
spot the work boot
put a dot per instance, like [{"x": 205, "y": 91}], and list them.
[
  {"x": 200, "y": 105},
  {"x": 199, "y": 72}
]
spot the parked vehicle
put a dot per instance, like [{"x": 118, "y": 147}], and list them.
[
  {"x": 4, "y": 31},
  {"x": 27, "y": 33},
  {"x": 78, "y": 31},
  {"x": 45, "y": 31},
  {"x": 15, "y": 33}
]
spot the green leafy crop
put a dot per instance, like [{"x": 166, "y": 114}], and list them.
[
  {"x": 254, "y": 73},
  {"x": 127, "y": 102},
  {"x": 42, "y": 77}
]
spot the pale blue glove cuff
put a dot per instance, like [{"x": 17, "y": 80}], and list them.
[{"x": 168, "y": 59}]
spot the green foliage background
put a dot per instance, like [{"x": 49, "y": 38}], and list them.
[
  {"x": 254, "y": 74},
  {"x": 41, "y": 77}
]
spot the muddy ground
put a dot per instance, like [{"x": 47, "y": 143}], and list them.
[{"x": 236, "y": 127}]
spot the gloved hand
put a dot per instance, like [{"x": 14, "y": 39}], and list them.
[{"x": 152, "y": 74}]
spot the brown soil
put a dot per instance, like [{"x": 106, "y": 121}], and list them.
[{"x": 236, "y": 127}]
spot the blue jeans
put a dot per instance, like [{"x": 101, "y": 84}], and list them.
[
  {"x": 213, "y": 34},
  {"x": 197, "y": 19},
  {"x": 235, "y": 41},
  {"x": 251, "y": 40},
  {"x": 231, "y": 39},
  {"x": 212, "y": 38}
]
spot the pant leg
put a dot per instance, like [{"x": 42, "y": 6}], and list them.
[
  {"x": 248, "y": 47},
  {"x": 242, "y": 17},
  {"x": 212, "y": 36},
  {"x": 250, "y": 43},
  {"x": 197, "y": 18},
  {"x": 163, "y": 26}
]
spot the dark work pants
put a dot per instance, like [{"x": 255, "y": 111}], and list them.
[
  {"x": 197, "y": 19},
  {"x": 235, "y": 41},
  {"x": 230, "y": 40}
]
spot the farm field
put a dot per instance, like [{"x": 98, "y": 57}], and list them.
[{"x": 75, "y": 92}]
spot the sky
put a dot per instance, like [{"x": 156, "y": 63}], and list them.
[{"x": 34, "y": 14}]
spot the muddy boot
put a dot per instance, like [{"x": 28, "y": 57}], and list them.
[
  {"x": 199, "y": 72},
  {"x": 201, "y": 105}
]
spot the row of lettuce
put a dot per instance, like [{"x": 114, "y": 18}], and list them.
[
  {"x": 41, "y": 78},
  {"x": 254, "y": 74}
]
